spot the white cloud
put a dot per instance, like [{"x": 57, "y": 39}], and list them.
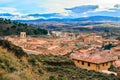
[
  {"x": 59, "y": 5},
  {"x": 23, "y": 18},
  {"x": 24, "y": 7},
  {"x": 52, "y": 6},
  {"x": 9, "y": 10},
  {"x": 17, "y": 17}
]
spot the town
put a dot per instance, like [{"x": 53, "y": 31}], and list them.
[
  {"x": 60, "y": 40},
  {"x": 88, "y": 51}
]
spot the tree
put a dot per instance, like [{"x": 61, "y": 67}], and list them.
[
  {"x": 118, "y": 38},
  {"x": 14, "y": 28},
  {"x": 108, "y": 46}
]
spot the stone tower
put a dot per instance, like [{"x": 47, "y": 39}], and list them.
[
  {"x": 48, "y": 33},
  {"x": 23, "y": 36}
]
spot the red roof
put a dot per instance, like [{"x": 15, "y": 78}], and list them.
[
  {"x": 102, "y": 57},
  {"x": 116, "y": 48},
  {"x": 117, "y": 63},
  {"x": 36, "y": 42}
]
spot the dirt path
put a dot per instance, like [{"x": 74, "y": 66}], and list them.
[
  {"x": 31, "y": 52},
  {"x": 108, "y": 72}
]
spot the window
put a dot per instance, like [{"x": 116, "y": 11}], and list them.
[
  {"x": 98, "y": 67},
  {"x": 106, "y": 63},
  {"x": 111, "y": 62},
  {"x": 82, "y": 62},
  {"x": 88, "y": 64},
  {"x": 78, "y": 61},
  {"x": 103, "y": 64}
]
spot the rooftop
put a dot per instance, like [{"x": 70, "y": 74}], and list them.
[
  {"x": 97, "y": 58},
  {"x": 116, "y": 48},
  {"x": 117, "y": 63}
]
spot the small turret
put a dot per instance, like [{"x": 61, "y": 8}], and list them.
[{"x": 23, "y": 36}]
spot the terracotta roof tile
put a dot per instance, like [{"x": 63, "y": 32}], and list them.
[
  {"x": 97, "y": 58},
  {"x": 116, "y": 48},
  {"x": 117, "y": 63}
]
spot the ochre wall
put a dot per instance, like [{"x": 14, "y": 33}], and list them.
[
  {"x": 85, "y": 66},
  {"x": 106, "y": 66}
]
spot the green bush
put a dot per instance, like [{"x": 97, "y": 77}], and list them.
[
  {"x": 113, "y": 68},
  {"x": 52, "y": 78}
]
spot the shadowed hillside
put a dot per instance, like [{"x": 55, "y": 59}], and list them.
[{"x": 14, "y": 28}]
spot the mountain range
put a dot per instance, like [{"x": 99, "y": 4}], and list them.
[
  {"x": 82, "y": 19},
  {"x": 57, "y": 18}
]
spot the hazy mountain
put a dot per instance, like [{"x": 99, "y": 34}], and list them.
[
  {"x": 57, "y": 18},
  {"x": 45, "y": 15},
  {"x": 6, "y": 14},
  {"x": 88, "y": 19}
]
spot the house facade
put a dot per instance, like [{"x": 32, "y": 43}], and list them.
[
  {"x": 93, "y": 66},
  {"x": 97, "y": 61}
]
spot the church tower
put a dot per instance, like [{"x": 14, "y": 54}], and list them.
[{"x": 23, "y": 36}]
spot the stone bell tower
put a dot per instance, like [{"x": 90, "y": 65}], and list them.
[{"x": 23, "y": 36}]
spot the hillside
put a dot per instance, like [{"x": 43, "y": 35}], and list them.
[
  {"x": 8, "y": 27},
  {"x": 17, "y": 65}
]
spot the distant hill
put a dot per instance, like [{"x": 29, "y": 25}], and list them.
[
  {"x": 44, "y": 15},
  {"x": 85, "y": 24},
  {"x": 8, "y": 27},
  {"x": 88, "y": 19},
  {"x": 6, "y": 14}
]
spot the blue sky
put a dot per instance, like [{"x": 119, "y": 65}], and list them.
[{"x": 61, "y": 8}]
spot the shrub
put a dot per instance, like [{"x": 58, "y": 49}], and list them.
[{"x": 113, "y": 68}]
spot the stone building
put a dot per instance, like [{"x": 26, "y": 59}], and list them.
[
  {"x": 91, "y": 38},
  {"x": 97, "y": 61},
  {"x": 110, "y": 41},
  {"x": 23, "y": 37},
  {"x": 116, "y": 51}
]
